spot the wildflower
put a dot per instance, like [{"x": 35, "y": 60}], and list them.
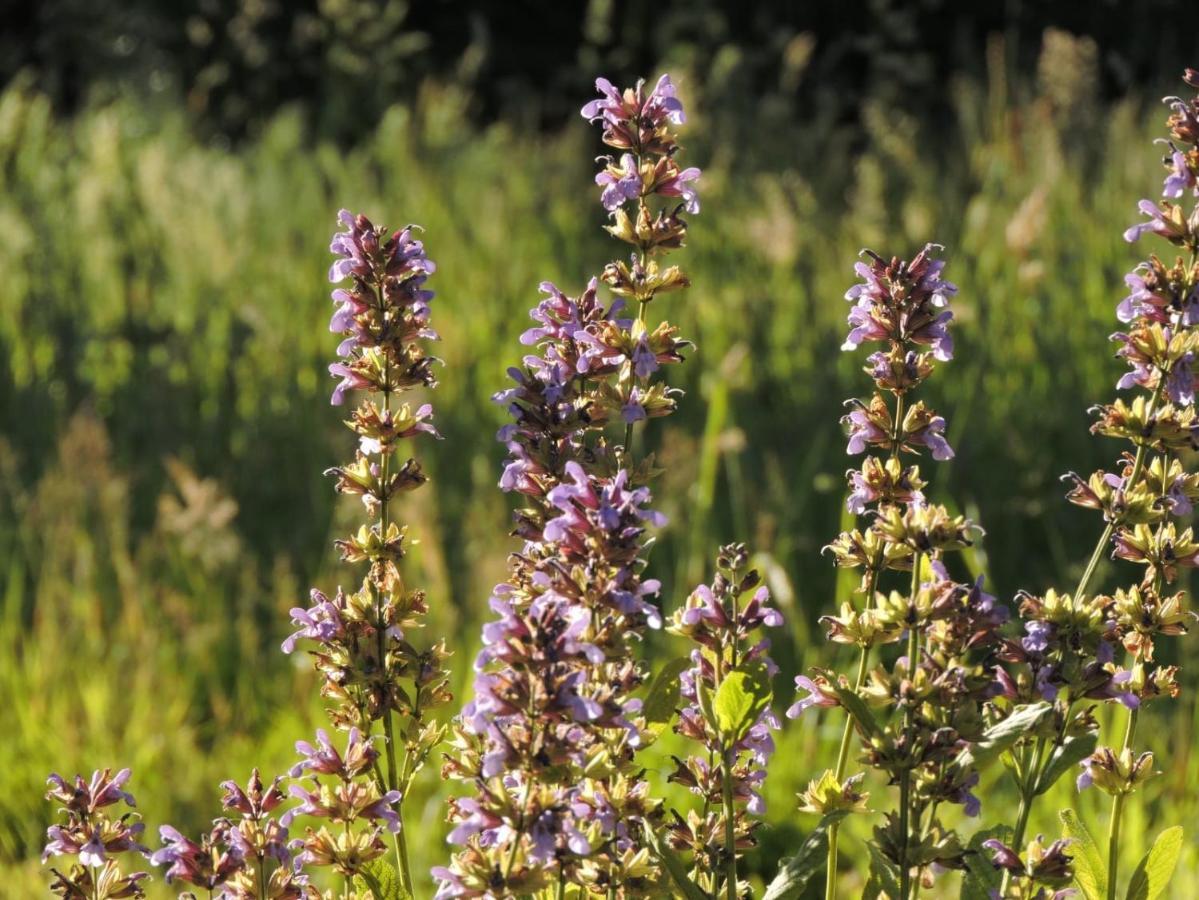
[
  {"x": 548, "y": 740},
  {"x": 95, "y": 836},
  {"x": 620, "y": 183},
  {"x": 819, "y": 694},
  {"x": 1168, "y": 221},
  {"x": 722, "y": 623},
  {"x": 1115, "y": 773},
  {"x": 1043, "y": 873},
  {"x": 208, "y": 864}
]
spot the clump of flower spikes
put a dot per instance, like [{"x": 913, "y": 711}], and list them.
[
  {"x": 372, "y": 671},
  {"x": 916, "y": 717},
  {"x": 729, "y": 770},
  {"x": 1068, "y": 652},
  {"x": 548, "y": 741},
  {"x": 98, "y": 838},
  {"x": 245, "y": 856},
  {"x": 1154, "y": 489}
]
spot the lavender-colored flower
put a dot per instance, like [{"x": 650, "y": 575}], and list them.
[
  {"x": 1168, "y": 223},
  {"x": 620, "y": 183},
  {"x": 680, "y": 184},
  {"x": 660, "y": 106},
  {"x": 1181, "y": 177},
  {"x": 818, "y": 696},
  {"x": 207, "y": 865}
]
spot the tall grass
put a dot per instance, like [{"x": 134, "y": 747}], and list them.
[{"x": 164, "y": 409}]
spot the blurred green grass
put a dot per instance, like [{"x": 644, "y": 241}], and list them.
[{"x": 164, "y": 412}]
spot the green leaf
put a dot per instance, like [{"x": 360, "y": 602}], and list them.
[
  {"x": 1065, "y": 757},
  {"x": 857, "y": 708},
  {"x": 796, "y": 871},
  {"x": 675, "y": 867},
  {"x": 662, "y": 699},
  {"x": 884, "y": 878},
  {"x": 741, "y": 699},
  {"x": 381, "y": 879},
  {"x": 981, "y": 878},
  {"x": 1003, "y": 734},
  {"x": 1090, "y": 871},
  {"x": 1154, "y": 871}
]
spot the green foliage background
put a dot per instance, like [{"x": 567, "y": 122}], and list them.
[{"x": 164, "y": 413}]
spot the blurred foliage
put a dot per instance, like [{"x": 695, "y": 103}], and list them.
[{"x": 164, "y": 407}]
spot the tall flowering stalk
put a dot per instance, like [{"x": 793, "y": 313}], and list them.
[
  {"x": 374, "y": 676},
  {"x": 97, "y": 837},
  {"x": 918, "y": 717},
  {"x": 1068, "y": 654},
  {"x": 548, "y": 741},
  {"x": 1140, "y": 503},
  {"x": 729, "y": 770}
]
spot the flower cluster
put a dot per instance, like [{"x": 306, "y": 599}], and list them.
[
  {"x": 1072, "y": 644},
  {"x": 1045, "y": 872},
  {"x": 338, "y": 786},
  {"x": 92, "y": 833},
  {"x": 723, "y": 624},
  {"x": 918, "y": 717},
  {"x": 373, "y": 672},
  {"x": 246, "y": 854},
  {"x": 1143, "y": 503},
  {"x": 548, "y": 741}
]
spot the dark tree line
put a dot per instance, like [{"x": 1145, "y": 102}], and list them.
[{"x": 237, "y": 61}]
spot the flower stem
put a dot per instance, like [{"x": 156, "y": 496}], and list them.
[
  {"x": 905, "y": 778},
  {"x": 730, "y": 829},
  {"x": 1113, "y": 829},
  {"x": 628, "y": 428},
  {"x": 1138, "y": 464},
  {"x": 830, "y": 881}
]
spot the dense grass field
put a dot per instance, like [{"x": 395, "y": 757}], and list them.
[{"x": 164, "y": 414}]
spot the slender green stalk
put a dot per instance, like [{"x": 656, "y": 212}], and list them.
[
  {"x": 628, "y": 428},
  {"x": 1113, "y": 845},
  {"x": 830, "y": 881},
  {"x": 1028, "y": 789},
  {"x": 1113, "y": 829},
  {"x": 730, "y": 828},
  {"x": 834, "y": 831},
  {"x": 560, "y": 893},
  {"x": 905, "y": 778},
  {"x": 1138, "y": 465}
]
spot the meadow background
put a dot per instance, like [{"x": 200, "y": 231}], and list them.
[{"x": 164, "y": 415}]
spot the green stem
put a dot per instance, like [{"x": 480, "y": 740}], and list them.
[
  {"x": 400, "y": 840},
  {"x": 1113, "y": 829},
  {"x": 1113, "y": 846},
  {"x": 1138, "y": 464},
  {"x": 834, "y": 831},
  {"x": 905, "y": 778},
  {"x": 560, "y": 894},
  {"x": 905, "y": 872},
  {"x": 730, "y": 829},
  {"x": 628, "y": 428},
  {"x": 524, "y": 808}
]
